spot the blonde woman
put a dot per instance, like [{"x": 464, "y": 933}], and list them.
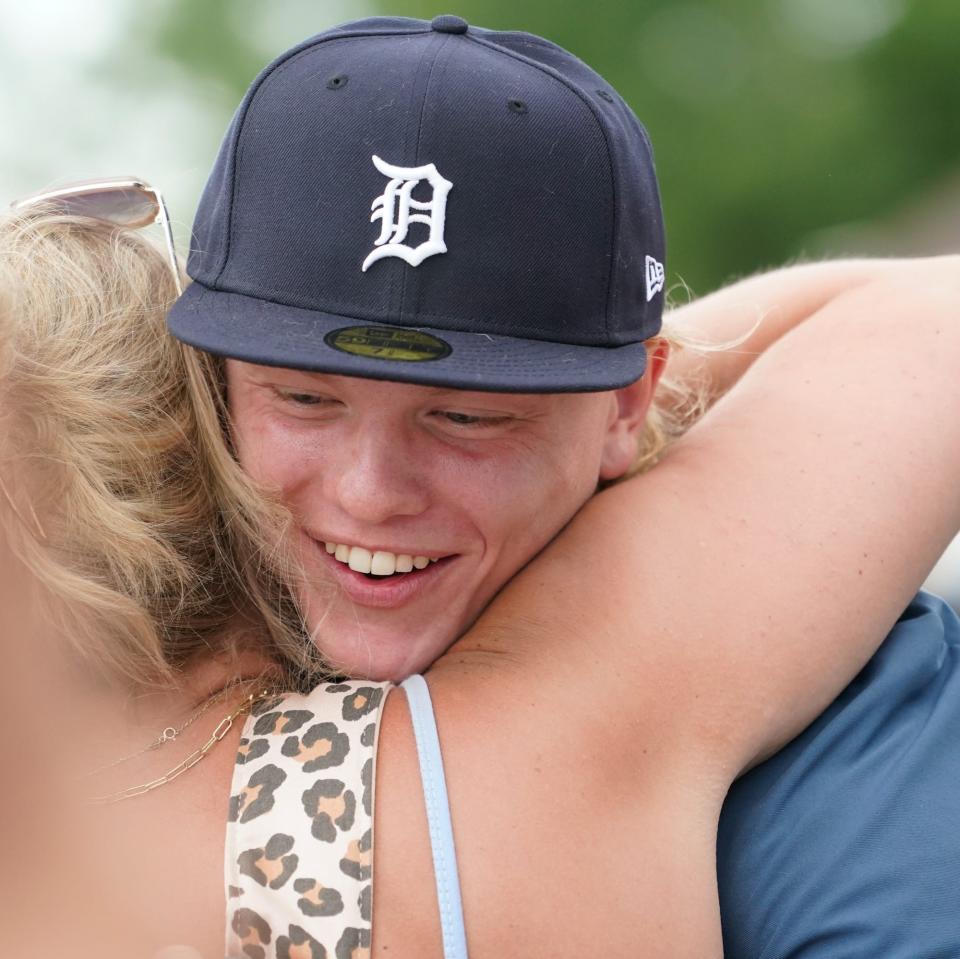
[{"x": 137, "y": 612}]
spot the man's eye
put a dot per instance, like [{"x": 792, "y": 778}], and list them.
[
  {"x": 468, "y": 419},
  {"x": 302, "y": 399}
]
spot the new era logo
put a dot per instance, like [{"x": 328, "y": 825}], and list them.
[{"x": 655, "y": 277}]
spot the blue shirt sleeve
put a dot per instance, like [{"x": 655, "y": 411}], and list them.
[{"x": 846, "y": 843}]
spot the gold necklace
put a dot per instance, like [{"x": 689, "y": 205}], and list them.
[
  {"x": 167, "y": 735},
  {"x": 223, "y": 727}
]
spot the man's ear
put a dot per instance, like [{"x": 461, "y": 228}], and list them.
[{"x": 629, "y": 414}]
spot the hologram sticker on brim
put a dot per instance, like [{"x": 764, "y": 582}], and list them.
[{"x": 388, "y": 343}]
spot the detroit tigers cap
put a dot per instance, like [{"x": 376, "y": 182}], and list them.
[{"x": 435, "y": 203}]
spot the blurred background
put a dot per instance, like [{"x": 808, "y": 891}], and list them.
[{"x": 783, "y": 128}]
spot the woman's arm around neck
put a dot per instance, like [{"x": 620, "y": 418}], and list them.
[{"x": 739, "y": 585}]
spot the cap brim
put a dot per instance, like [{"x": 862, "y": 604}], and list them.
[{"x": 274, "y": 334}]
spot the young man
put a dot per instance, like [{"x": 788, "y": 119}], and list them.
[{"x": 433, "y": 256}]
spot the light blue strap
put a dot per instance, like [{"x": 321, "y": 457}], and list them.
[{"x": 438, "y": 817}]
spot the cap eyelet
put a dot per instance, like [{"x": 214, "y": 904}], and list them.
[
  {"x": 337, "y": 82},
  {"x": 605, "y": 95},
  {"x": 517, "y": 106}
]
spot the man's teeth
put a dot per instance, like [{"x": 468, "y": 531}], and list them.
[{"x": 379, "y": 563}]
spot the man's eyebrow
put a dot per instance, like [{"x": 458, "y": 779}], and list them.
[{"x": 451, "y": 391}]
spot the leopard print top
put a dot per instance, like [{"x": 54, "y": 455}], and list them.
[{"x": 299, "y": 844}]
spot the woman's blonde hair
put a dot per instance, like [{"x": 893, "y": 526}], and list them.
[
  {"x": 679, "y": 401},
  {"x": 255, "y": 533},
  {"x": 113, "y": 492}
]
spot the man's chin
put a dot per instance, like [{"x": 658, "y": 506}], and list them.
[{"x": 380, "y": 656}]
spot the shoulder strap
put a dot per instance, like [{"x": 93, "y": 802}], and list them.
[{"x": 438, "y": 817}]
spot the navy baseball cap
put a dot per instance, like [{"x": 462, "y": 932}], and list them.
[{"x": 435, "y": 203}]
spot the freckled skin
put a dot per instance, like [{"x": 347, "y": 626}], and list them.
[{"x": 489, "y": 478}]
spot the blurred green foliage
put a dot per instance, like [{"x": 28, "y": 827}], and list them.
[{"x": 772, "y": 120}]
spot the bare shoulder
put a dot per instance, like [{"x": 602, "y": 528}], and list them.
[
  {"x": 559, "y": 854},
  {"x": 151, "y": 868}
]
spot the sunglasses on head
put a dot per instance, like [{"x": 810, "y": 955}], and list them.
[
  {"x": 120, "y": 201},
  {"x": 126, "y": 202}
]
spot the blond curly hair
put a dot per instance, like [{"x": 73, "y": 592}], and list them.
[{"x": 104, "y": 468}]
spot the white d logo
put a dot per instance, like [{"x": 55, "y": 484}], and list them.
[{"x": 395, "y": 206}]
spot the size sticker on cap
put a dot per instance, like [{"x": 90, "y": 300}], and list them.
[{"x": 388, "y": 343}]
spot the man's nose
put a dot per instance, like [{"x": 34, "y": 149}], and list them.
[{"x": 379, "y": 478}]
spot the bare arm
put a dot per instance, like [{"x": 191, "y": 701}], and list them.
[
  {"x": 760, "y": 309},
  {"x": 736, "y": 588}
]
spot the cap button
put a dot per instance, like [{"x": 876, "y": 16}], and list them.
[{"x": 446, "y": 23}]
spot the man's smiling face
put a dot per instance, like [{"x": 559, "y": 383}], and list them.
[{"x": 413, "y": 505}]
